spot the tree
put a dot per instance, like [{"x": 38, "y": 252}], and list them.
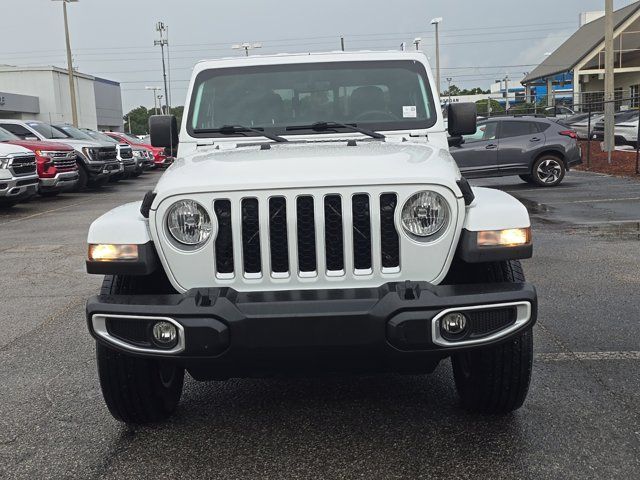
[
  {"x": 139, "y": 119},
  {"x": 496, "y": 108},
  {"x": 455, "y": 91}
]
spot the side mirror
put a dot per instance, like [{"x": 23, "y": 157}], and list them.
[
  {"x": 462, "y": 119},
  {"x": 455, "y": 141},
  {"x": 163, "y": 130}
]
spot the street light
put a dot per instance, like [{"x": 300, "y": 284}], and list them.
[
  {"x": 155, "y": 103},
  {"x": 246, "y": 47},
  {"x": 416, "y": 42},
  {"x": 163, "y": 42},
  {"x": 436, "y": 21},
  {"x": 72, "y": 87},
  {"x": 449, "y": 79}
]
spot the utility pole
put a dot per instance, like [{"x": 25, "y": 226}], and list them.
[
  {"x": 416, "y": 42},
  {"x": 342, "y": 42},
  {"x": 436, "y": 21},
  {"x": 506, "y": 93},
  {"x": 155, "y": 97},
  {"x": 403, "y": 46},
  {"x": 609, "y": 106},
  {"x": 72, "y": 85},
  {"x": 160, "y": 28},
  {"x": 449, "y": 79}
]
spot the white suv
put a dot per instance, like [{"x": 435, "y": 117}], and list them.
[{"x": 314, "y": 221}]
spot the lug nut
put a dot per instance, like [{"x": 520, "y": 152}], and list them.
[
  {"x": 454, "y": 323},
  {"x": 165, "y": 334}
]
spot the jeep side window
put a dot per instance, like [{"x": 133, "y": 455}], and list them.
[{"x": 17, "y": 130}]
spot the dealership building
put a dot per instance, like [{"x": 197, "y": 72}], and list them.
[{"x": 42, "y": 93}]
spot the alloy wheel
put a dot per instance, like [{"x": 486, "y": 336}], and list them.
[{"x": 549, "y": 171}]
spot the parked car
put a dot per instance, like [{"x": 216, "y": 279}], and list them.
[
  {"x": 539, "y": 150},
  {"x": 18, "y": 174},
  {"x": 160, "y": 157},
  {"x": 559, "y": 112},
  {"x": 580, "y": 123},
  {"x": 96, "y": 160},
  {"x": 144, "y": 159},
  {"x": 625, "y": 129},
  {"x": 125, "y": 154},
  {"x": 55, "y": 162},
  {"x": 357, "y": 249}
]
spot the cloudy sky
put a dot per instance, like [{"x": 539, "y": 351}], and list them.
[{"x": 480, "y": 40}]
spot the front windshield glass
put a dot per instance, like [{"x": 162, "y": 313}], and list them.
[
  {"x": 73, "y": 132},
  {"x": 47, "y": 131},
  {"x": 384, "y": 95},
  {"x": 6, "y": 136},
  {"x": 101, "y": 137}
]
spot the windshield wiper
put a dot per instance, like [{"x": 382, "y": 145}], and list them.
[
  {"x": 231, "y": 129},
  {"x": 322, "y": 126}
]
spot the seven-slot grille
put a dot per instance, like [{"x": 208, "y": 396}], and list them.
[
  {"x": 126, "y": 153},
  {"x": 307, "y": 235},
  {"x": 63, "y": 161},
  {"x": 106, "y": 154},
  {"x": 22, "y": 166}
]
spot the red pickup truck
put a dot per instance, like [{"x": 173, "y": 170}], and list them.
[
  {"x": 160, "y": 158},
  {"x": 55, "y": 163}
]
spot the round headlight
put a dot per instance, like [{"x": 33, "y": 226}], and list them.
[
  {"x": 189, "y": 223},
  {"x": 425, "y": 214}
]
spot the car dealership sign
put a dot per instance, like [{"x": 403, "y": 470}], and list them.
[{"x": 12, "y": 102}]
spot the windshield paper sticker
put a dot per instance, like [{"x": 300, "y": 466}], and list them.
[{"x": 409, "y": 111}]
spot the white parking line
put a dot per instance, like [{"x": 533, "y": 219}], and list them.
[{"x": 569, "y": 356}]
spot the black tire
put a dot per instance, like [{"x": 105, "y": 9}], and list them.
[
  {"x": 136, "y": 390},
  {"x": 548, "y": 171},
  {"x": 7, "y": 204},
  {"x": 495, "y": 379},
  {"x": 83, "y": 178},
  {"x": 526, "y": 178}
]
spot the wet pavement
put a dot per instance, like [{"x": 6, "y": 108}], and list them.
[{"x": 581, "y": 419}]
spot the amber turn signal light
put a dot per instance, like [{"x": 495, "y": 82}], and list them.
[
  {"x": 511, "y": 237},
  {"x": 112, "y": 253}
]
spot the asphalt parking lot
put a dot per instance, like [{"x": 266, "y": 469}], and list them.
[{"x": 581, "y": 419}]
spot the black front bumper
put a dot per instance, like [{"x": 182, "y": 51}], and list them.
[{"x": 229, "y": 333}]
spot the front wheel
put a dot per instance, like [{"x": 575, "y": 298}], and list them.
[
  {"x": 548, "y": 171},
  {"x": 494, "y": 379},
  {"x": 137, "y": 390}
]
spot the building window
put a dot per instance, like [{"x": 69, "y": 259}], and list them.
[{"x": 635, "y": 93}]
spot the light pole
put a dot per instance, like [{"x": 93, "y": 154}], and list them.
[
  {"x": 155, "y": 98},
  {"x": 161, "y": 28},
  {"x": 436, "y": 21},
  {"x": 416, "y": 42},
  {"x": 449, "y": 88},
  {"x": 72, "y": 86},
  {"x": 246, "y": 47}
]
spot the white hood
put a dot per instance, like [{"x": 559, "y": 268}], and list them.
[
  {"x": 308, "y": 165},
  {"x": 8, "y": 149}
]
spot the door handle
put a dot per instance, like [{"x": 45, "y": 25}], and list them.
[
  {"x": 491, "y": 146},
  {"x": 534, "y": 139}
]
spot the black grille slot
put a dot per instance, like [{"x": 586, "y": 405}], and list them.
[
  {"x": 224, "y": 240},
  {"x": 251, "y": 236},
  {"x": 278, "y": 235},
  {"x": 126, "y": 153},
  {"x": 486, "y": 322},
  {"x": 333, "y": 233},
  {"x": 23, "y": 166},
  {"x": 361, "y": 232},
  {"x": 306, "y": 230},
  {"x": 389, "y": 242},
  {"x": 129, "y": 330}
]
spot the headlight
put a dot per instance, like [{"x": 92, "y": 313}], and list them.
[
  {"x": 425, "y": 214},
  {"x": 189, "y": 223},
  {"x": 4, "y": 162},
  {"x": 137, "y": 153}
]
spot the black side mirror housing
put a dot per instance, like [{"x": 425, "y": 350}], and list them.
[
  {"x": 455, "y": 141},
  {"x": 462, "y": 119},
  {"x": 163, "y": 130}
]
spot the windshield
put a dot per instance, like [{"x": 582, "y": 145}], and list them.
[
  {"x": 6, "y": 136},
  {"x": 47, "y": 131},
  {"x": 101, "y": 137},
  {"x": 73, "y": 132},
  {"x": 383, "y": 95}
]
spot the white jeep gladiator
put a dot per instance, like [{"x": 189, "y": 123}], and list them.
[{"x": 313, "y": 222}]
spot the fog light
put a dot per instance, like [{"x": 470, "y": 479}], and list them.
[
  {"x": 511, "y": 237},
  {"x": 454, "y": 323},
  {"x": 113, "y": 253},
  {"x": 165, "y": 334}
]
